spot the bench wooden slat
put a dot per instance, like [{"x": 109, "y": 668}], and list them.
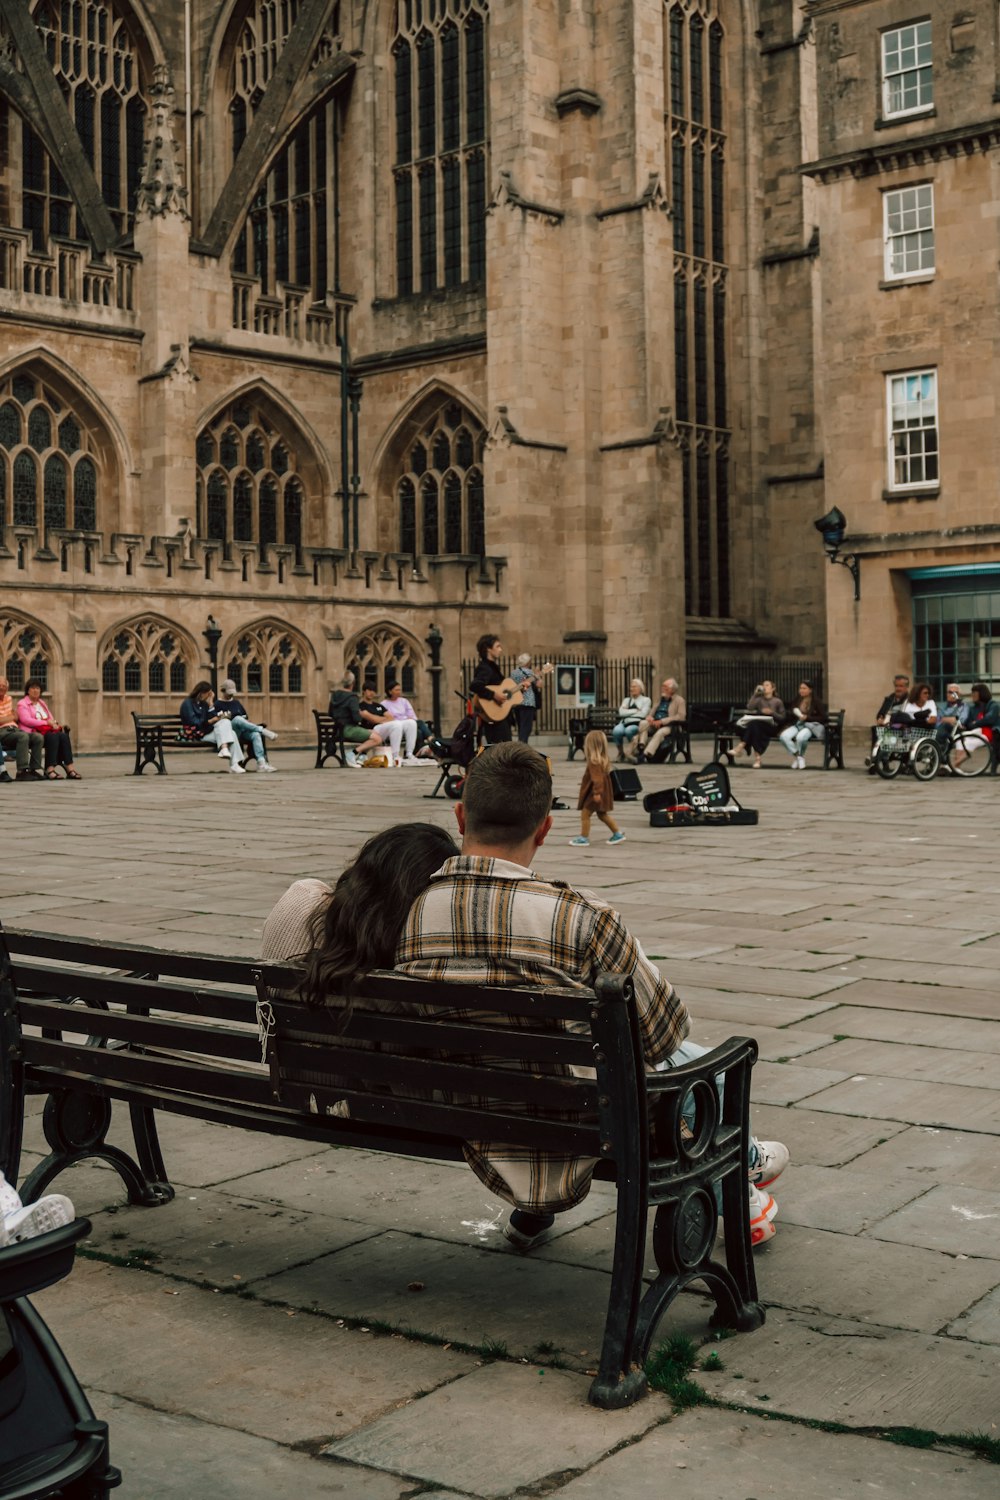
[
  {"x": 403, "y": 1031},
  {"x": 547, "y": 1005},
  {"x": 51, "y": 1060},
  {"x": 140, "y": 994},
  {"x": 465, "y": 1078},
  {"x": 135, "y": 956},
  {"x": 145, "y": 1031}
]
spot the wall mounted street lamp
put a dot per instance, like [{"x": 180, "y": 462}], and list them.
[
  {"x": 833, "y": 529},
  {"x": 213, "y": 635}
]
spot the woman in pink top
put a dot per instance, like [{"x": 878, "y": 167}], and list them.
[{"x": 34, "y": 717}]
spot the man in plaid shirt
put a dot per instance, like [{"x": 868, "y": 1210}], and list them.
[{"x": 486, "y": 918}]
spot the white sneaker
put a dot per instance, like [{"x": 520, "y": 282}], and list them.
[
  {"x": 237, "y": 770},
  {"x": 38, "y": 1218},
  {"x": 223, "y": 752},
  {"x": 769, "y": 1159},
  {"x": 269, "y": 734},
  {"x": 350, "y": 758},
  {"x": 802, "y": 762},
  {"x": 10, "y": 1198},
  {"x": 763, "y": 1211},
  {"x": 265, "y": 765},
  {"x": 411, "y": 760}
]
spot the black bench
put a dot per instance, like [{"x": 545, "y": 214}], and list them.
[
  {"x": 50, "y": 1442},
  {"x": 605, "y": 718},
  {"x": 329, "y": 740},
  {"x": 155, "y": 733},
  {"x": 727, "y": 737},
  {"x": 180, "y": 1032}
]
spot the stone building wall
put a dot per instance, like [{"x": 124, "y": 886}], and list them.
[{"x": 563, "y": 360}]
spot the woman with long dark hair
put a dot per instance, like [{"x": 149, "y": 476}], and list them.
[{"x": 341, "y": 934}]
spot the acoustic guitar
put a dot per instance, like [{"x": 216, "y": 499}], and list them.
[{"x": 489, "y": 708}]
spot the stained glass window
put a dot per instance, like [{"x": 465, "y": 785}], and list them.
[
  {"x": 256, "y": 494},
  {"x": 58, "y": 459},
  {"x": 440, "y": 140},
  {"x": 442, "y": 470}
]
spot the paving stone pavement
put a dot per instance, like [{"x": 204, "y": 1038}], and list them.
[{"x": 240, "y": 1340}]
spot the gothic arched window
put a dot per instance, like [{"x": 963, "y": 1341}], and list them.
[
  {"x": 248, "y": 488},
  {"x": 440, "y": 143},
  {"x": 696, "y": 144},
  {"x": 440, "y": 494},
  {"x": 50, "y": 456},
  {"x": 93, "y": 52},
  {"x": 148, "y": 658},
  {"x": 287, "y": 237},
  {"x": 25, "y": 651},
  {"x": 383, "y": 656},
  {"x": 268, "y": 661}
]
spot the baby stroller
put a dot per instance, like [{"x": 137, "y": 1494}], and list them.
[{"x": 50, "y": 1443}]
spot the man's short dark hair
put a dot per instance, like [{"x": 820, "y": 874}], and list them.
[
  {"x": 507, "y": 794},
  {"x": 484, "y": 643}
]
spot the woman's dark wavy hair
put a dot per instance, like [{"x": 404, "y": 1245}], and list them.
[{"x": 358, "y": 928}]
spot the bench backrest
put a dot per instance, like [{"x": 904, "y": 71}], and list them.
[
  {"x": 448, "y": 1061},
  {"x": 156, "y": 721}
]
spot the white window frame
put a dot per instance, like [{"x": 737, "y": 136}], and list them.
[
  {"x": 912, "y": 417},
  {"x": 907, "y": 221},
  {"x": 896, "y": 43}
]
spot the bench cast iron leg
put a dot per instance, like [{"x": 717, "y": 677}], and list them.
[{"x": 76, "y": 1125}]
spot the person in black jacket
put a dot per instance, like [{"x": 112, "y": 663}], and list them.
[
  {"x": 247, "y": 732},
  {"x": 202, "y": 720},
  {"x": 891, "y": 703},
  {"x": 486, "y": 684}
]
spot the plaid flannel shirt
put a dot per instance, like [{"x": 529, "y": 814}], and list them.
[{"x": 488, "y": 921}]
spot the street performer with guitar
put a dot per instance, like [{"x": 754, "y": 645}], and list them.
[{"x": 490, "y": 693}]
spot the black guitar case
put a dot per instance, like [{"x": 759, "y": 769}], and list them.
[{"x": 704, "y": 800}]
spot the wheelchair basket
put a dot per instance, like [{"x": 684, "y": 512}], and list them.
[{"x": 898, "y": 739}]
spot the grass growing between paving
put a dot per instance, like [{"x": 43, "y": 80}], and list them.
[{"x": 670, "y": 1367}]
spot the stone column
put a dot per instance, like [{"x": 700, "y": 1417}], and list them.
[{"x": 167, "y": 398}]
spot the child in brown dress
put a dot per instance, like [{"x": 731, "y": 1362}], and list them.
[{"x": 596, "y": 792}]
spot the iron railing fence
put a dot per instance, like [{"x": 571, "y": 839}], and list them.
[
  {"x": 613, "y": 678},
  {"x": 733, "y": 681}
]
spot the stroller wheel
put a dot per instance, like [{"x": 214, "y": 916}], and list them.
[{"x": 453, "y": 787}]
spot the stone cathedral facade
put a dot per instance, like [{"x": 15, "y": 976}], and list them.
[{"x": 339, "y": 321}]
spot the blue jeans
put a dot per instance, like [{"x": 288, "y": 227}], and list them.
[
  {"x": 624, "y": 733},
  {"x": 796, "y": 737},
  {"x": 248, "y": 733}
]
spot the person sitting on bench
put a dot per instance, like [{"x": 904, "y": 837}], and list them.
[
  {"x": 201, "y": 720},
  {"x": 662, "y": 724},
  {"x": 487, "y": 918},
  {"x": 247, "y": 732}
]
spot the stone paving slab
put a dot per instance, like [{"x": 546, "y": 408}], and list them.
[
  {"x": 904, "y": 1060},
  {"x": 538, "y": 1424},
  {"x": 832, "y": 1369},
  {"x": 158, "y": 1453},
  {"x": 981, "y": 1322},
  {"x": 884, "y": 1285},
  {"x": 234, "y": 1362},
  {"x": 825, "y": 1140},
  {"x": 915, "y": 1103},
  {"x": 469, "y": 1295},
  {"x": 706, "y": 1455},
  {"x": 787, "y": 1084},
  {"x": 901, "y": 1026},
  {"x": 963, "y": 1158},
  {"x": 932, "y": 999},
  {"x": 846, "y": 1203},
  {"x": 441, "y": 1199},
  {"x": 226, "y": 1241},
  {"x": 957, "y": 1220}
]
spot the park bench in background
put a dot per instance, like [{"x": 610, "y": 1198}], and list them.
[
  {"x": 606, "y": 718},
  {"x": 727, "y": 737},
  {"x": 329, "y": 740},
  {"x": 179, "y": 1032}
]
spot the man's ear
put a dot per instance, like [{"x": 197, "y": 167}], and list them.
[
  {"x": 543, "y": 831},
  {"x": 460, "y": 818}
]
